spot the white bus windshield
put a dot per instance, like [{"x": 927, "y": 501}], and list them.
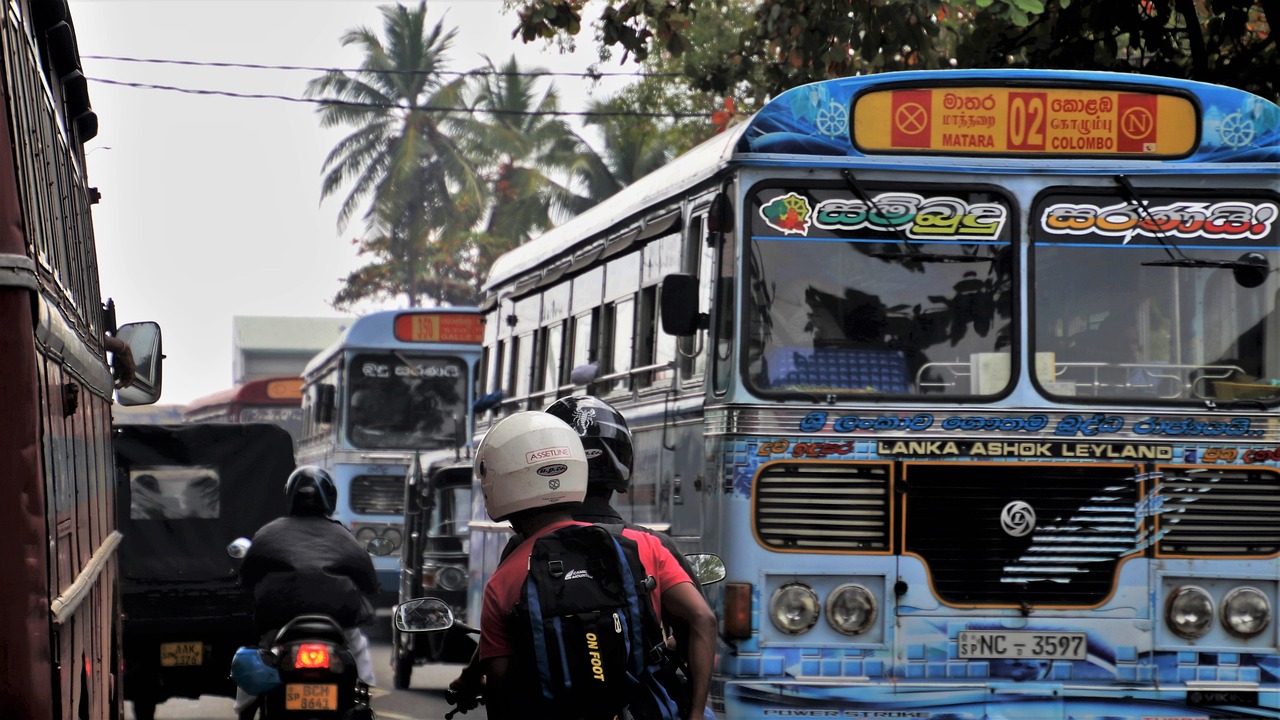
[
  {"x": 403, "y": 400},
  {"x": 1175, "y": 301},
  {"x": 901, "y": 293}
]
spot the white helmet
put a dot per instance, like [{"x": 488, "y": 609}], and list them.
[{"x": 530, "y": 460}]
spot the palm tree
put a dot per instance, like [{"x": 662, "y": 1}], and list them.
[
  {"x": 418, "y": 184},
  {"x": 524, "y": 151},
  {"x": 633, "y": 146}
]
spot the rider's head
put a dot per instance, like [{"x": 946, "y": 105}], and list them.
[
  {"x": 605, "y": 439},
  {"x": 310, "y": 491},
  {"x": 530, "y": 461}
]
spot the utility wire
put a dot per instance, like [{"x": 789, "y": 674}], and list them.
[
  {"x": 595, "y": 75},
  {"x": 387, "y": 106}
]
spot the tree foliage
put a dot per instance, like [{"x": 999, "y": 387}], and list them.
[
  {"x": 792, "y": 42},
  {"x": 417, "y": 184}
]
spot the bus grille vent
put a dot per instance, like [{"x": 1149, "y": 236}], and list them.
[
  {"x": 1211, "y": 511},
  {"x": 378, "y": 494},
  {"x": 1021, "y": 535},
  {"x": 808, "y": 507}
]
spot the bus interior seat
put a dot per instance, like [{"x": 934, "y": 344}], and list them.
[{"x": 866, "y": 369}]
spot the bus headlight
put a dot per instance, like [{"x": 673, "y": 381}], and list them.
[
  {"x": 365, "y": 534},
  {"x": 395, "y": 536},
  {"x": 851, "y": 609},
  {"x": 1189, "y": 612},
  {"x": 794, "y": 608},
  {"x": 1245, "y": 612}
]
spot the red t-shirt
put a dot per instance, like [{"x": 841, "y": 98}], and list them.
[{"x": 503, "y": 589}]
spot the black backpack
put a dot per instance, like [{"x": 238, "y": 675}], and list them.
[{"x": 590, "y": 630}]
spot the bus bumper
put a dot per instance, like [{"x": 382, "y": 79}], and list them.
[{"x": 907, "y": 700}]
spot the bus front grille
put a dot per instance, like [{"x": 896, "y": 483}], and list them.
[
  {"x": 1021, "y": 535},
  {"x": 1218, "y": 511},
  {"x": 823, "y": 506},
  {"x": 378, "y": 494}
]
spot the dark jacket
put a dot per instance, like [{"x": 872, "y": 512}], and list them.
[{"x": 302, "y": 565}]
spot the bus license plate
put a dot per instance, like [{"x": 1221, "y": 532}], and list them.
[
  {"x": 181, "y": 654},
  {"x": 298, "y": 696},
  {"x": 1001, "y": 644}
]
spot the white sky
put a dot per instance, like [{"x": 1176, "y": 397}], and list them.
[{"x": 211, "y": 205}]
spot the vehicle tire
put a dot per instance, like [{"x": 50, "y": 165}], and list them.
[
  {"x": 144, "y": 710},
  {"x": 402, "y": 673}
]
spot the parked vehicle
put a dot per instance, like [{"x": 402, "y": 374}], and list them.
[
  {"x": 433, "y": 560},
  {"x": 184, "y": 492}
]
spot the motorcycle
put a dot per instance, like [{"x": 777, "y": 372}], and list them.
[{"x": 305, "y": 672}]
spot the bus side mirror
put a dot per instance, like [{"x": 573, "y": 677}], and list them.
[
  {"x": 324, "y": 403},
  {"x": 680, "y": 316},
  {"x": 143, "y": 339}
]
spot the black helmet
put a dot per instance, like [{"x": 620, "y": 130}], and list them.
[
  {"x": 310, "y": 490},
  {"x": 605, "y": 438}
]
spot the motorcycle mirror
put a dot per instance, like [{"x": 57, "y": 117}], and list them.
[
  {"x": 423, "y": 615},
  {"x": 239, "y": 547},
  {"x": 380, "y": 547},
  {"x": 708, "y": 567}
]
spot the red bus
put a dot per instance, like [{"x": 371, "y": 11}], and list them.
[
  {"x": 59, "y": 602},
  {"x": 276, "y": 400}
]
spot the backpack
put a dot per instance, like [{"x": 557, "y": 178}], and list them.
[{"x": 590, "y": 629}]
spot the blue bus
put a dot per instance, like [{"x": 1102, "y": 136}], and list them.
[
  {"x": 396, "y": 384},
  {"x": 972, "y": 379}
]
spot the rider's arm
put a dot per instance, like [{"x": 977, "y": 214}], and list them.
[
  {"x": 499, "y": 696},
  {"x": 684, "y": 600}
]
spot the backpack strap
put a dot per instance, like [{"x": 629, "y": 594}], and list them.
[{"x": 650, "y": 637}]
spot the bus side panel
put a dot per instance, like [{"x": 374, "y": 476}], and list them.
[{"x": 25, "y": 668}]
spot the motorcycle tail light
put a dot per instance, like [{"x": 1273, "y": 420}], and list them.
[{"x": 311, "y": 655}]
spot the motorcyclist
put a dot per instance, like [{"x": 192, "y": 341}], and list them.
[
  {"x": 307, "y": 563},
  {"x": 513, "y": 464},
  {"x": 606, "y": 439}
]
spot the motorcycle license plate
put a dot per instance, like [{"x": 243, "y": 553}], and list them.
[
  {"x": 181, "y": 654},
  {"x": 309, "y": 696}
]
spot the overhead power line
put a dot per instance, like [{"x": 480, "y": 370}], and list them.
[
  {"x": 595, "y": 75},
  {"x": 426, "y": 108}
]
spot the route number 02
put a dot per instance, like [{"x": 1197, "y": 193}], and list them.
[{"x": 1026, "y": 121}]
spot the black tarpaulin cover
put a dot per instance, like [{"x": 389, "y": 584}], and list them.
[{"x": 185, "y": 491}]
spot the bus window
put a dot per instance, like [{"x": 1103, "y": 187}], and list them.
[
  {"x": 553, "y": 373},
  {"x": 584, "y": 341},
  {"x": 621, "y": 333},
  {"x": 725, "y": 314},
  {"x": 856, "y": 309},
  {"x": 1116, "y": 318},
  {"x": 397, "y": 400}
]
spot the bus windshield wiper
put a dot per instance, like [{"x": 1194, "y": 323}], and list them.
[
  {"x": 1250, "y": 269},
  {"x": 911, "y": 251}
]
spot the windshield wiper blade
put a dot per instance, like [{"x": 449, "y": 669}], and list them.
[
  {"x": 1170, "y": 248},
  {"x": 1250, "y": 269},
  {"x": 1189, "y": 262}
]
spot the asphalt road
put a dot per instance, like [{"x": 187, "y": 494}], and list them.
[{"x": 424, "y": 700}]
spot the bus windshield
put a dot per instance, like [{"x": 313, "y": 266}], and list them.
[
  {"x": 883, "y": 292},
  {"x": 1167, "y": 296},
  {"x": 405, "y": 400}
]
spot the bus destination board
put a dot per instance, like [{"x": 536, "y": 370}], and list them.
[
  {"x": 290, "y": 389},
  {"x": 439, "y": 327},
  {"x": 1025, "y": 121}
]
